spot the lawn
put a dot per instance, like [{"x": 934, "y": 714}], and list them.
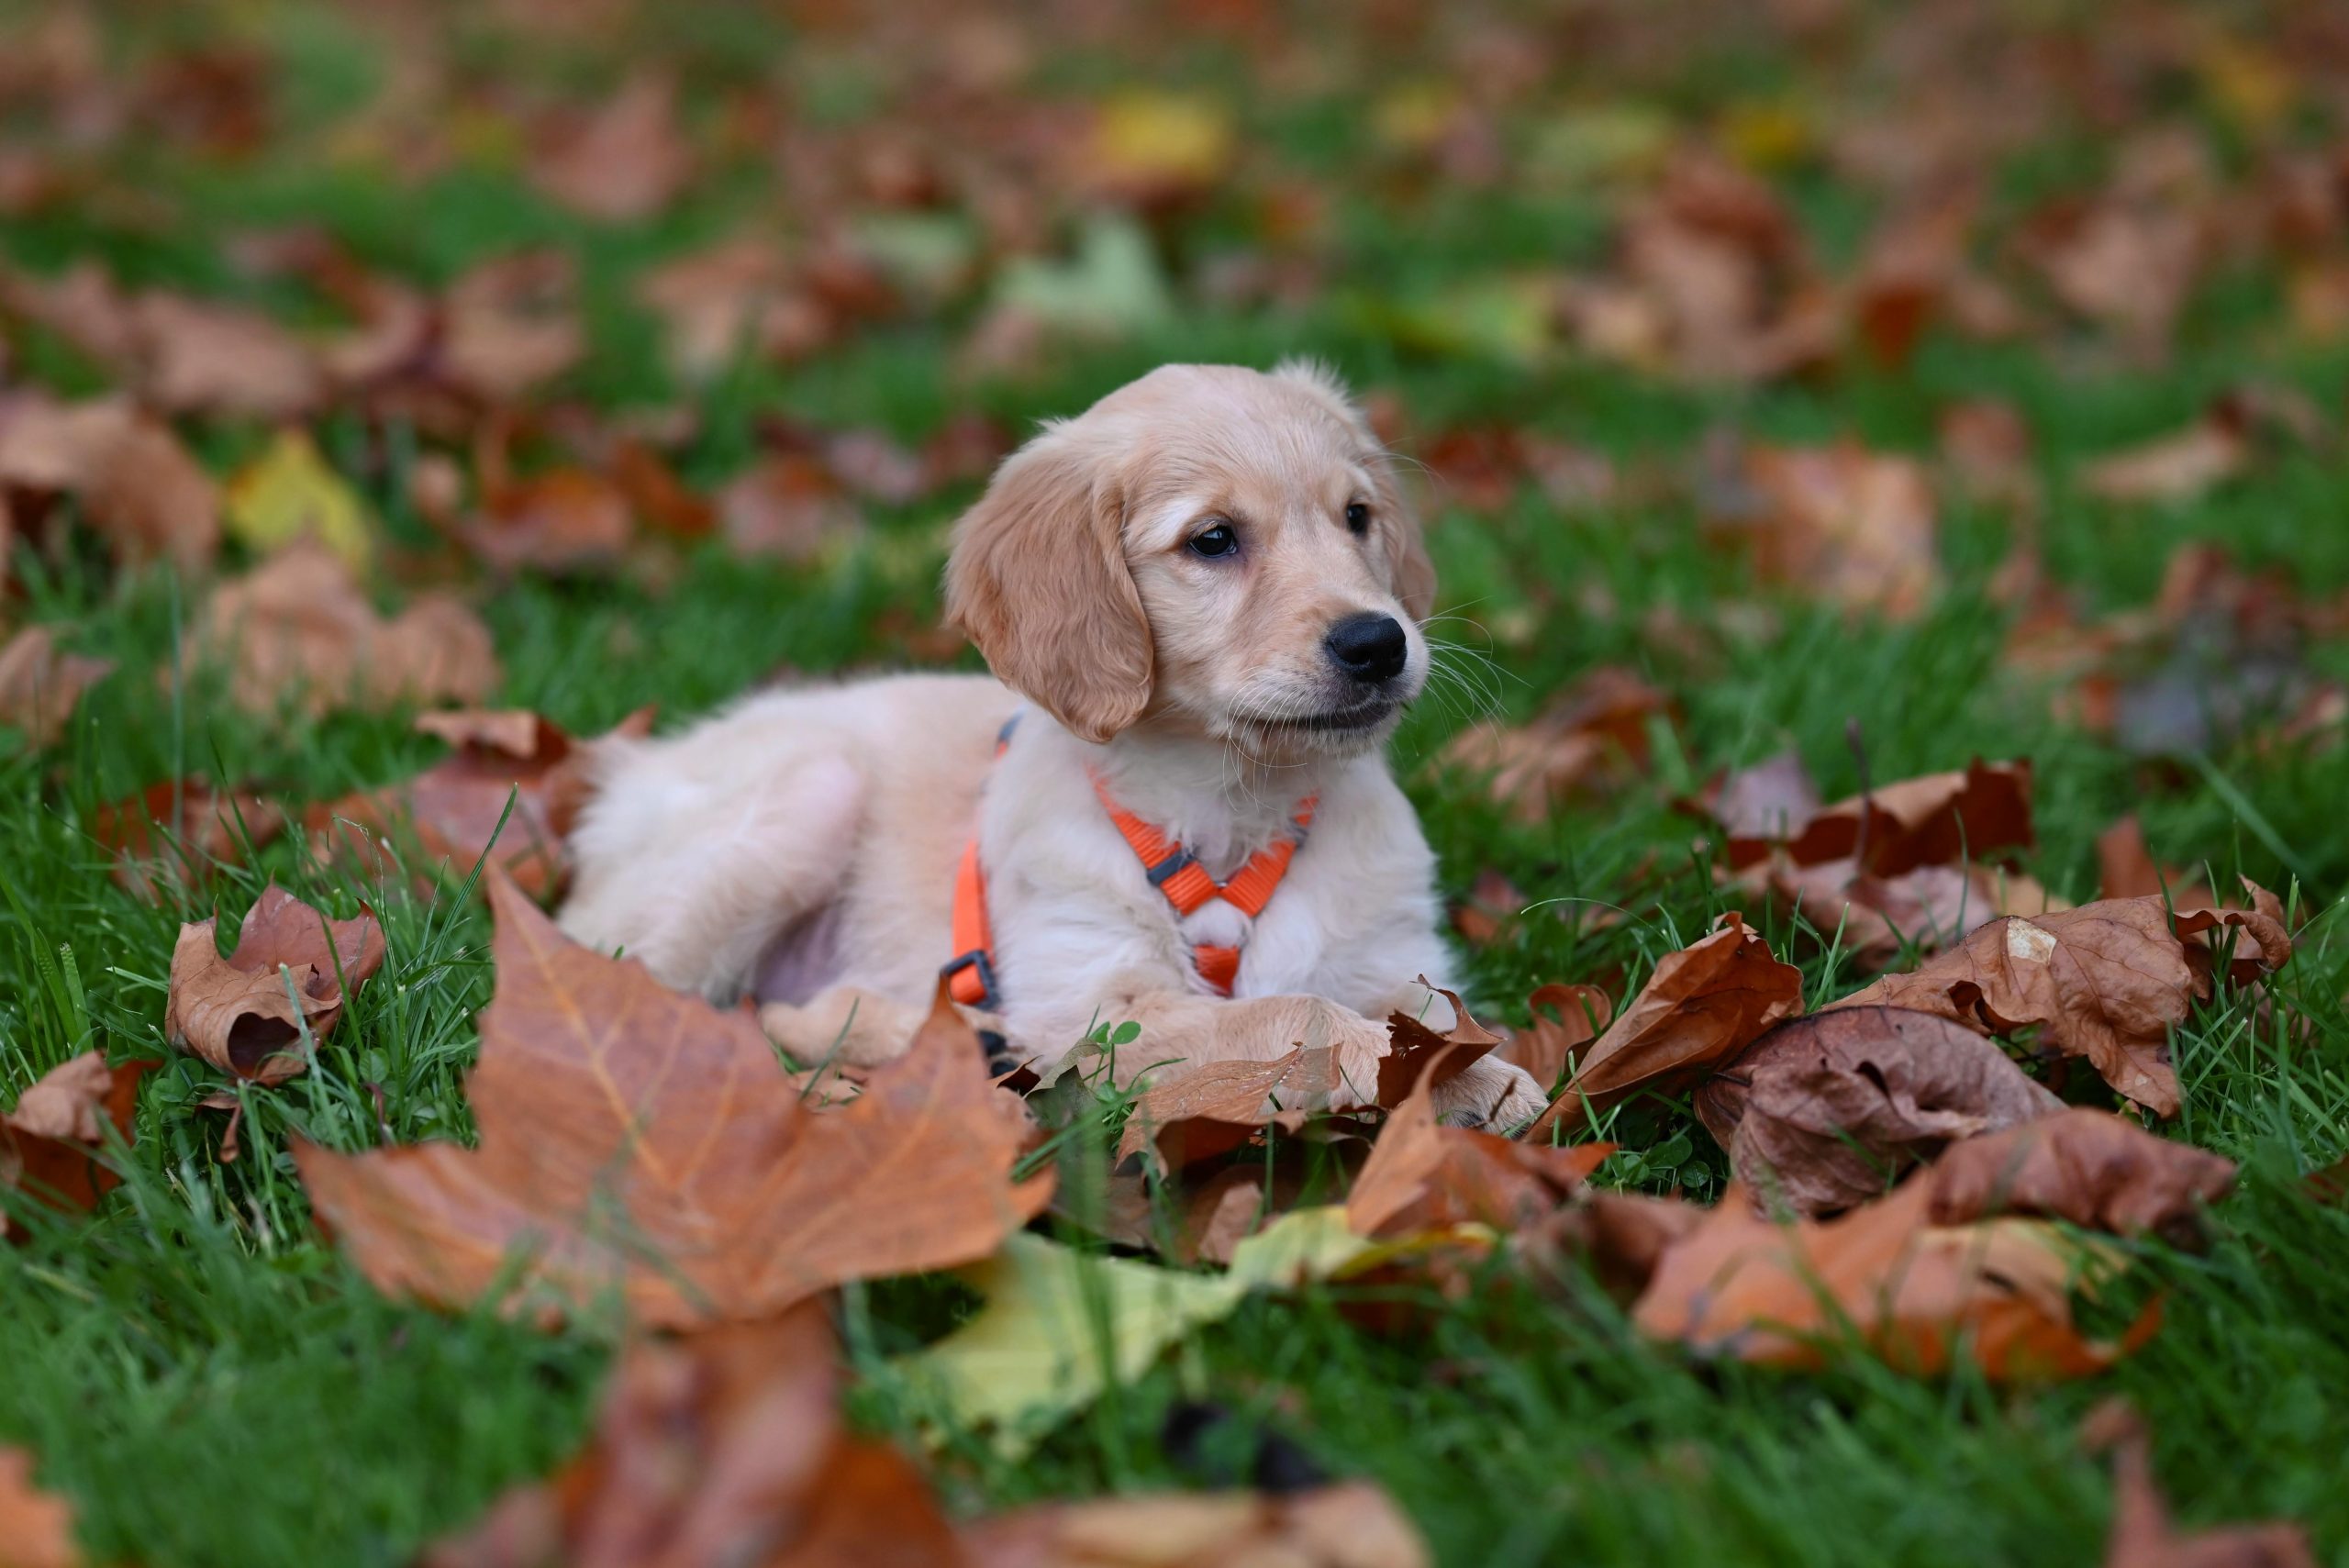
[{"x": 969, "y": 228}]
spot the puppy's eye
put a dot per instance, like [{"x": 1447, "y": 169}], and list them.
[
  {"x": 1217, "y": 540},
  {"x": 1358, "y": 517}
]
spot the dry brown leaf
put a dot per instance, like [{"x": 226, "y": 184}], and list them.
[
  {"x": 1770, "y": 802},
  {"x": 2177, "y": 467},
  {"x": 567, "y": 519},
  {"x": 1917, "y": 1294},
  {"x": 1593, "y": 737},
  {"x": 1938, "y": 819},
  {"x": 296, "y": 629},
  {"x": 626, "y": 161},
  {"x": 1824, "y": 1112},
  {"x": 207, "y": 358},
  {"x": 724, "y": 1446},
  {"x": 1618, "y": 1237},
  {"x": 637, "y": 1139},
  {"x": 1844, "y": 524},
  {"x": 1222, "y": 1106},
  {"x": 1418, "y": 1054},
  {"x": 36, "y": 1527},
  {"x": 455, "y": 806},
  {"x": 245, "y": 1015},
  {"x": 1423, "y": 1176},
  {"x": 2107, "y": 980},
  {"x": 41, "y": 683},
  {"x": 509, "y": 325},
  {"x": 2142, "y": 1535},
  {"x": 786, "y": 506},
  {"x": 2255, "y": 936},
  {"x": 1873, "y": 919},
  {"x": 2087, "y": 1166},
  {"x": 138, "y": 487},
  {"x": 48, "y": 1144},
  {"x": 1491, "y": 905},
  {"x": 1545, "y": 1048},
  {"x": 1346, "y": 1524},
  {"x": 735, "y": 299},
  {"x": 1701, "y": 1006},
  {"x": 177, "y": 830}
]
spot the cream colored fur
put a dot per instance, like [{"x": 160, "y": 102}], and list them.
[{"x": 805, "y": 841}]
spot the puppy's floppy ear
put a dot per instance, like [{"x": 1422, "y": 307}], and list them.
[
  {"x": 1038, "y": 579},
  {"x": 1410, "y": 569}
]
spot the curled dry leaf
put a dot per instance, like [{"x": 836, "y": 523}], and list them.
[
  {"x": 137, "y": 487},
  {"x": 1918, "y": 1295},
  {"x": 510, "y": 325},
  {"x": 2142, "y": 1535},
  {"x": 2089, "y": 1167},
  {"x": 1546, "y": 1047},
  {"x": 567, "y": 519},
  {"x": 1593, "y": 736},
  {"x": 204, "y": 357},
  {"x": 735, "y": 297},
  {"x": 292, "y": 969},
  {"x": 2107, "y": 980},
  {"x": 1823, "y": 1112},
  {"x": 1424, "y": 1176},
  {"x": 1418, "y": 1054},
  {"x": 2180, "y": 466},
  {"x": 36, "y": 1527},
  {"x": 636, "y": 1139},
  {"x": 1938, "y": 819},
  {"x": 296, "y": 629},
  {"x": 786, "y": 506},
  {"x": 1768, "y": 804},
  {"x": 455, "y": 806},
  {"x": 1701, "y": 1006},
  {"x": 49, "y": 1144},
  {"x": 1616, "y": 1238},
  {"x": 41, "y": 683}
]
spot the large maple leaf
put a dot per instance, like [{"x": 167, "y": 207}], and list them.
[{"x": 636, "y": 1140}]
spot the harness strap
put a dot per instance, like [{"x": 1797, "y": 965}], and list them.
[{"x": 1171, "y": 869}]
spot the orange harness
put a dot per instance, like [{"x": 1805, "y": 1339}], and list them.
[{"x": 1171, "y": 869}]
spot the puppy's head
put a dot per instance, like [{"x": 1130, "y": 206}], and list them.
[{"x": 1209, "y": 547}]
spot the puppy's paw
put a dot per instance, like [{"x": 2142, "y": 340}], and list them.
[{"x": 1497, "y": 1096}]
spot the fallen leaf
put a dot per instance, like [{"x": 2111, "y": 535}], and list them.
[
  {"x": 1219, "y": 1107},
  {"x": 567, "y": 519},
  {"x": 1701, "y": 1006},
  {"x": 1416, "y": 1054},
  {"x": 2125, "y": 867},
  {"x": 288, "y": 493},
  {"x": 1059, "y": 1326},
  {"x": 1149, "y": 146},
  {"x": 1823, "y": 1112},
  {"x": 1346, "y": 1524},
  {"x": 204, "y": 357},
  {"x": 2142, "y": 1535},
  {"x": 1491, "y": 905},
  {"x": 724, "y": 1446},
  {"x": 36, "y": 1526},
  {"x": 2107, "y": 980},
  {"x": 735, "y": 299},
  {"x": 177, "y": 830},
  {"x": 2088, "y": 1166},
  {"x": 41, "y": 683},
  {"x": 296, "y": 629},
  {"x": 1546, "y": 1047},
  {"x": 49, "y": 1142},
  {"x": 625, "y": 161},
  {"x": 137, "y": 485},
  {"x": 511, "y": 325},
  {"x": 1768, "y": 804},
  {"x": 1618, "y": 1239},
  {"x": 1424, "y": 1176},
  {"x": 2179, "y": 467},
  {"x": 1997, "y": 1292},
  {"x": 456, "y": 805},
  {"x": 1592, "y": 736},
  {"x": 636, "y": 1139},
  {"x": 291, "y": 973},
  {"x": 1839, "y": 523},
  {"x": 784, "y": 506},
  {"x": 1939, "y": 820}
]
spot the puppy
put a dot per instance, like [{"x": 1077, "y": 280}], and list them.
[{"x": 1202, "y": 601}]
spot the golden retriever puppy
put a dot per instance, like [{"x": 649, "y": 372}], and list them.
[{"x": 1202, "y": 601}]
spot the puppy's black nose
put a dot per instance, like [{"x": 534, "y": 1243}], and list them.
[{"x": 1369, "y": 646}]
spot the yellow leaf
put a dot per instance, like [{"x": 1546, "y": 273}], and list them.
[
  {"x": 1161, "y": 138},
  {"x": 289, "y": 492}
]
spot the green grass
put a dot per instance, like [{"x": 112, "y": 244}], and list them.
[{"x": 211, "y": 1383}]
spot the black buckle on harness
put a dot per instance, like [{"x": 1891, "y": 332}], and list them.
[
  {"x": 975, "y": 959},
  {"x": 1170, "y": 866}
]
